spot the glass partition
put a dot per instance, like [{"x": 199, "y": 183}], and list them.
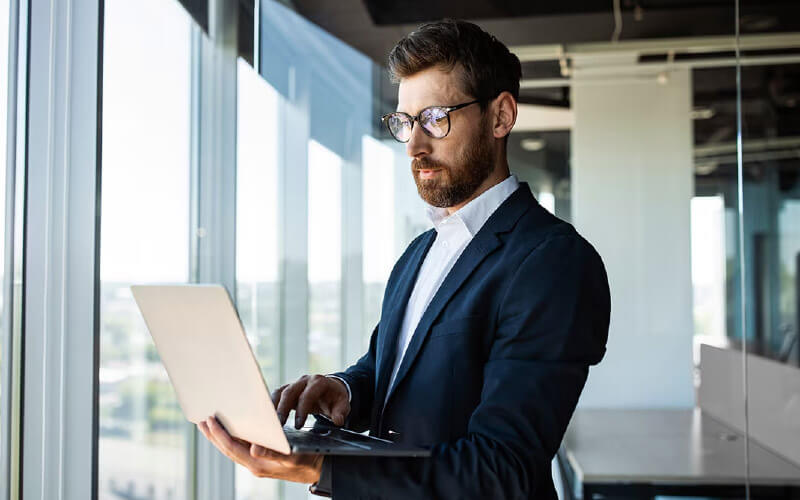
[{"x": 768, "y": 165}]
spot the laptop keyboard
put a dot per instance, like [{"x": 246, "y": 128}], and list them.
[{"x": 311, "y": 439}]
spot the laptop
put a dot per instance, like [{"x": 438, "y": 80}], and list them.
[{"x": 210, "y": 363}]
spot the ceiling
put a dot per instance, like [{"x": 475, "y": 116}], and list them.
[
  {"x": 374, "y": 26},
  {"x": 771, "y": 94}
]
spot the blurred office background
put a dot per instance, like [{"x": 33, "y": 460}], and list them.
[{"x": 239, "y": 142}]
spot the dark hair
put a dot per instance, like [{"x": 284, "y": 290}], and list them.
[{"x": 487, "y": 66}]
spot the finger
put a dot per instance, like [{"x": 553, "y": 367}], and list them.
[
  {"x": 276, "y": 394},
  {"x": 235, "y": 451},
  {"x": 259, "y": 451},
  {"x": 308, "y": 400},
  {"x": 211, "y": 439},
  {"x": 204, "y": 430},
  {"x": 339, "y": 412},
  {"x": 241, "y": 441},
  {"x": 289, "y": 398}
]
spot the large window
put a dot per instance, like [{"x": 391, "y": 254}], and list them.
[
  {"x": 393, "y": 214},
  {"x": 378, "y": 198},
  {"x": 324, "y": 258},
  {"x": 144, "y": 238},
  {"x": 257, "y": 280}
]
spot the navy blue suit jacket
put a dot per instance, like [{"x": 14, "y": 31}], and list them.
[{"x": 494, "y": 369}]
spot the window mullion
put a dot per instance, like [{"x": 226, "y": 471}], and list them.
[
  {"x": 214, "y": 198},
  {"x": 59, "y": 451}
]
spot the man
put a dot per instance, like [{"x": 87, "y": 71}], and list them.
[{"x": 490, "y": 320}]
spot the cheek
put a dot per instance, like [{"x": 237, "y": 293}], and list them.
[{"x": 452, "y": 149}]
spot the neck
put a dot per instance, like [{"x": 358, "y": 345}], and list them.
[{"x": 498, "y": 175}]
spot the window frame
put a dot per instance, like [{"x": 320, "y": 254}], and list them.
[
  {"x": 62, "y": 170},
  {"x": 10, "y": 328}
]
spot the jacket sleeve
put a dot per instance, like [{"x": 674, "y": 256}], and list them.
[
  {"x": 360, "y": 380},
  {"x": 552, "y": 325}
]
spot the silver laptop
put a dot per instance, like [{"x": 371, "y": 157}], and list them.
[{"x": 203, "y": 346}]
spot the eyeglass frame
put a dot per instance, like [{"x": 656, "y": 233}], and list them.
[{"x": 447, "y": 110}]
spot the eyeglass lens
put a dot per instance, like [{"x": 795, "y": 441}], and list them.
[{"x": 434, "y": 120}]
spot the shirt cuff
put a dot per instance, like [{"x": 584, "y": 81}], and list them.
[
  {"x": 323, "y": 487},
  {"x": 347, "y": 386}
]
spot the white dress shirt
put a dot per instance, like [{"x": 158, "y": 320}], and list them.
[{"x": 454, "y": 232}]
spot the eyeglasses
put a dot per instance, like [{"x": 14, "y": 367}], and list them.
[{"x": 435, "y": 121}]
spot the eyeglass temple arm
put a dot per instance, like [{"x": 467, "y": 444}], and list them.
[{"x": 464, "y": 105}]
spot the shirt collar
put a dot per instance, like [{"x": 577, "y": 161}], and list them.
[{"x": 474, "y": 214}]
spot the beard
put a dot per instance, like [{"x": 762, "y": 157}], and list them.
[{"x": 456, "y": 181}]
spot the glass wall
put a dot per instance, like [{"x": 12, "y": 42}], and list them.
[
  {"x": 768, "y": 165},
  {"x": 144, "y": 239},
  {"x": 324, "y": 259},
  {"x": 378, "y": 239},
  {"x": 771, "y": 124},
  {"x": 257, "y": 245},
  {"x": 393, "y": 214},
  {"x": 771, "y": 168}
]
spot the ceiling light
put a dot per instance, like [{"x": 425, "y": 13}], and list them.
[
  {"x": 702, "y": 113},
  {"x": 533, "y": 144}
]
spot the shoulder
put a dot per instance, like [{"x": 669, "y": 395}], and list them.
[{"x": 540, "y": 233}]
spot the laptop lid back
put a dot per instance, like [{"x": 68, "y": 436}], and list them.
[{"x": 203, "y": 346}]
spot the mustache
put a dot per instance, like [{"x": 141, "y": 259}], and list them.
[{"x": 426, "y": 164}]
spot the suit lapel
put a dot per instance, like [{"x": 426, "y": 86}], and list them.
[
  {"x": 483, "y": 244},
  {"x": 388, "y": 348}
]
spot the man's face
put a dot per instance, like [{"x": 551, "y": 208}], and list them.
[{"x": 447, "y": 171}]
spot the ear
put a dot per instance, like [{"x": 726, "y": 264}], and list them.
[{"x": 504, "y": 114}]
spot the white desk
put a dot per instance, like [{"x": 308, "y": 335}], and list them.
[{"x": 644, "y": 453}]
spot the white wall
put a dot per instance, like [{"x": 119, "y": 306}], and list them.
[{"x": 632, "y": 183}]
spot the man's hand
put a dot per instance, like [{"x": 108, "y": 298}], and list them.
[
  {"x": 304, "y": 468},
  {"x": 312, "y": 394}
]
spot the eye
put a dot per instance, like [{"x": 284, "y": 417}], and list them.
[
  {"x": 399, "y": 126},
  {"x": 435, "y": 121}
]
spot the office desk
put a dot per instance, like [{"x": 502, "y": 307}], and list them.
[{"x": 643, "y": 453}]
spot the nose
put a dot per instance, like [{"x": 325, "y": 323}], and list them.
[{"x": 419, "y": 144}]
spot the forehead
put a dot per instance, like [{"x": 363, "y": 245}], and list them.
[{"x": 430, "y": 87}]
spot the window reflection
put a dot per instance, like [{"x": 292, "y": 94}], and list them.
[
  {"x": 144, "y": 238},
  {"x": 771, "y": 212}
]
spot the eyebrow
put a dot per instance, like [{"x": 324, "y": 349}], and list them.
[{"x": 424, "y": 108}]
